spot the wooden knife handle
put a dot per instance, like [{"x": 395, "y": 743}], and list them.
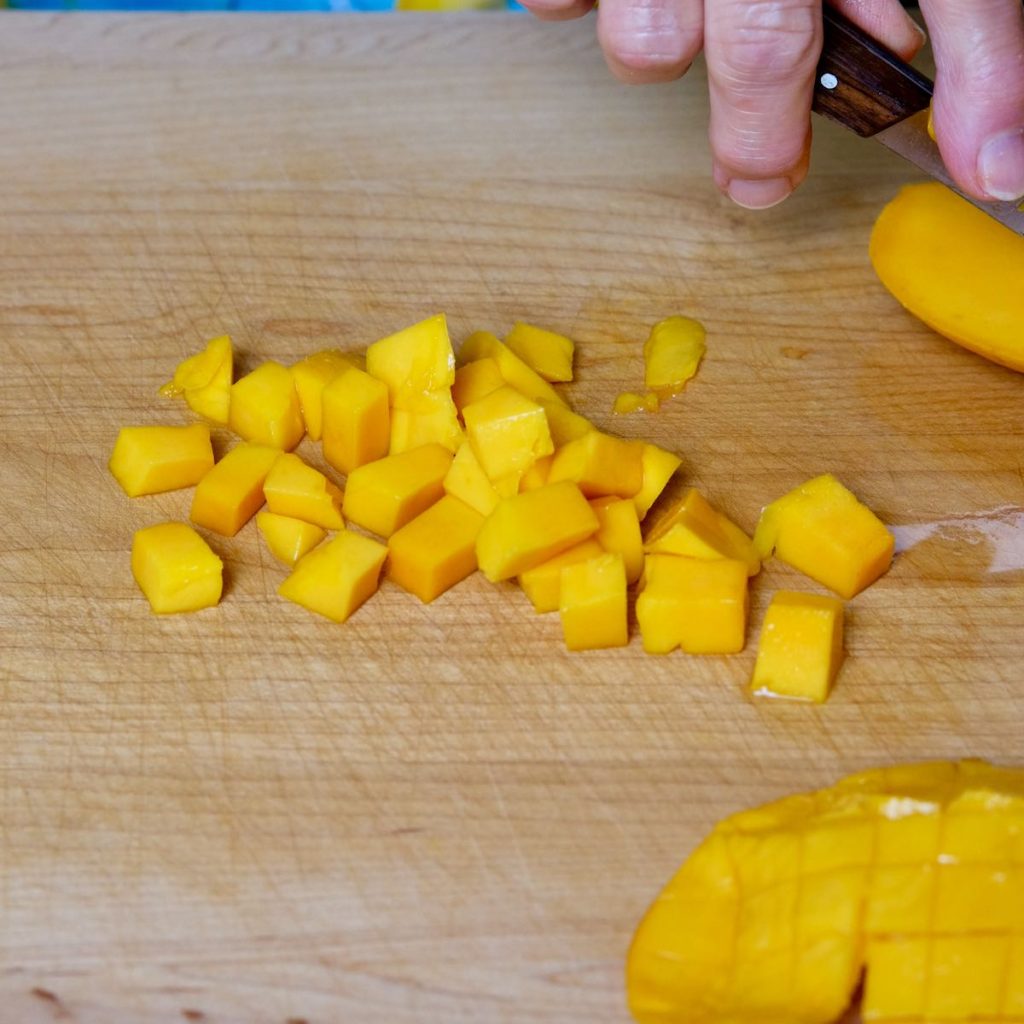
[{"x": 861, "y": 84}]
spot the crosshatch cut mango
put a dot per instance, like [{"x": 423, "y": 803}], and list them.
[
  {"x": 204, "y": 380},
  {"x": 232, "y": 492},
  {"x": 356, "y": 420},
  {"x": 175, "y": 568},
  {"x": 265, "y": 407},
  {"x": 150, "y": 460},
  {"x": 592, "y": 603},
  {"x": 294, "y": 489},
  {"x": 288, "y": 539}
]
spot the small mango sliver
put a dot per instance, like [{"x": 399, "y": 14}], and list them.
[
  {"x": 175, "y": 568},
  {"x": 204, "y": 380},
  {"x": 288, "y": 539},
  {"x": 672, "y": 353},
  {"x": 150, "y": 460}
]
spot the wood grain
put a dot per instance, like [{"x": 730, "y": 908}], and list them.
[{"x": 249, "y": 816}]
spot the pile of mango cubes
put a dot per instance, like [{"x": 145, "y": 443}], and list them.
[{"x": 486, "y": 467}]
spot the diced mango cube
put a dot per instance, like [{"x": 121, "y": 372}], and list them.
[
  {"x": 694, "y": 529},
  {"x": 508, "y": 433},
  {"x": 383, "y": 496},
  {"x": 265, "y": 408},
  {"x": 821, "y": 529},
  {"x": 311, "y": 376},
  {"x": 435, "y": 550},
  {"x": 619, "y": 532},
  {"x": 150, "y": 460},
  {"x": 356, "y": 420},
  {"x": 700, "y": 606},
  {"x": 288, "y": 539},
  {"x": 474, "y": 381},
  {"x": 416, "y": 359},
  {"x": 530, "y": 528},
  {"x": 564, "y": 424},
  {"x": 232, "y": 492},
  {"x": 897, "y": 980},
  {"x": 427, "y": 418},
  {"x": 600, "y": 464},
  {"x": 631, "y": 401},
  {"x": 801, "y": 647},
  {"x": 467, "y": 481},
  {"x": 659, "y": 466},
  {"x": 547, "y": 353},
  {"x": 294, "y": 489},
  {"x": 537, "y": 475},
  {"x": 543, "y": 583},
  {"x": 175, "y": 568},
  {"x": 335, "y": 578},
  {"x": 484, "y": 345},
  {"x": 672, "y": 353},
  {"x": 592, "y": 603},
  {"x": 205, "y": 380}
]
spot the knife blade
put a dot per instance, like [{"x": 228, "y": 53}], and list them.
[{"x": 863, "y": 87}]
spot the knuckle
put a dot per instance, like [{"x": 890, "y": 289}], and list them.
[
  {"x": 653, "y": 54},
  {"x": 770, "y": 41}
]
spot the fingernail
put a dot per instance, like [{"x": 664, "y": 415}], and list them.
[
  {"x": 759, "y": 193},
  {"x": 1001, "y": 165}
]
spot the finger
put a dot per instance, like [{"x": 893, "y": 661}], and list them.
[
  {"x": 886, "y": 21},
  {"x": 558, "y": 10},
  {"x": 650, "y": 40},
  {"x": 761, "y": 57},
  {"x": 979, "y": 93}
]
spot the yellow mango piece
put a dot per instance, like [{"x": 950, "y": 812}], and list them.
[
  {"x": 592, "y": 603},
  {"x": 619, "y": 532},
  {"x": 672, "y": 353},
  {"x": 310, "y": 377},
  {"x": 547, "y": 353},
  {"x": 801, "y": 647},
  {"x": 529, "y": 383},
  {"x": 600, "y": 464},
  {"x": 697, "y": 605},
  {"x": 294, "y": 489},
  {"x": 429, "y": 419},
  {"x": 436, "y": 550},
  {"x": 149, "y": 460},
  {"x": 204, "y": 380},
  {"x": 175, "y": 568},
  {"x": 564, "y": 424},
  {"x": 467, "y": 481},
  {"x": 508, "y": 433},
  {"x": 475, "y": 380},
  {"x": 288, "y": 539},
  {"x": 543, "y": 583},
  {"x": 383, "y": 496},
  {"x": 631, "y": 401},
  {"x": 537, "y": 475},
  {"x": 530, "y": 528},
  {"x": 414, "y": 360},
  {"x": 232, "y": 492},
  {"x": 955, "y": 268},
  {"x": 337, "y": 577},
  {"x": 659, "y": 466},
  {"x": 694, "y": 529},
  {"x": 821, "y": 529},
  {"x": 265, "y": 408},
  {"x": 356, "y": 420},
  {"x": 775, "y": 916}
]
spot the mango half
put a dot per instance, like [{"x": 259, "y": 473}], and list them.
[
  {"x": 912, "y": 877},
  {"x": 955, "y": 268}
]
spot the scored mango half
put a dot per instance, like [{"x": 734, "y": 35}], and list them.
[{"x": 910, "y": 878}]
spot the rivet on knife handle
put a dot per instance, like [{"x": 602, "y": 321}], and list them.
[{"x": 862, "y": 85}]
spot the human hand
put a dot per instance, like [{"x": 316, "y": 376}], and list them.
[{"x": 761, "y": 57}]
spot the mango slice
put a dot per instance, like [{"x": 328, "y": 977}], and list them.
[
  {"x": 600, "y": 464},
  {"x": 338, "y": 577},
  {"x": 467, "y": 481},
  {"x": 175, "y": 568},
  {"x": 265, "y": 408},
  {"x": 547, "y": 353},
  {"x": 530, "y": 528},
  {"x": 288, "y": 539},
  {"x": 592, "y": 603},
  {"x": 821, "y": 529},
  {"x": 474, "y": 381},
  {"x": 204, "y": 380},
  {"x": 632, "y": 401},
  {"x": 695, "y": 604},
  {"x": 914, "y": 873},
  {"x": 697, "y": 530},
  {"x": 232, "y": 492},
  {"x": 619, "y": 532},
  {"x": 436, "y": 550},
  {"x": 508, "y": 433},
  {"x": 955, "y": 268},
  {"x": 659, "y": 466},
  {"x": 383, "y": 496},
  {"x": 294, "y": 489},
  {"x": 801, "y": 647},
  {"x": 310, "y": 377},
  {"x": 356, "y": 420},
  {"x": 672, "y": 353},
  {"x": 543, "y": 583},
  {"x": 484, "y": 345},
  {"x": 150, "y": 460}
]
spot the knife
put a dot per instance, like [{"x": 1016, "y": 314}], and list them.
[{"x": 862, "y": 86}]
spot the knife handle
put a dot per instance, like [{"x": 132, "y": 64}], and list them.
[{"x": 860, "y": 84}]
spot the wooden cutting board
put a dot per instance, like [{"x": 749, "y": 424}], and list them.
[{"x": 430, "y": 815}]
